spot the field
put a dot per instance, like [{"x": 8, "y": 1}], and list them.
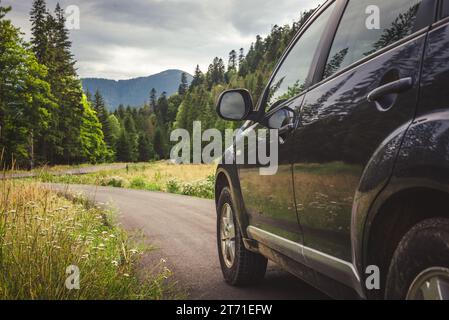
[
  {"x": 190, "y": 180},
  {"x": 43, "y": 235}
]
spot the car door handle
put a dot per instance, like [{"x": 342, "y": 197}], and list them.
[{"x": 394, "y": 87}]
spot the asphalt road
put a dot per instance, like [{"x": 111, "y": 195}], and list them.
[{"x": 183, "y": 229}]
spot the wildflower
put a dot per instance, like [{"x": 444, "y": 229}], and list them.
[{"x": 115, "y": 263}]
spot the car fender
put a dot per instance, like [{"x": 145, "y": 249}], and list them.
[
  {"x": 422, "y": 161},
  {"x": 375, "y": 178}
]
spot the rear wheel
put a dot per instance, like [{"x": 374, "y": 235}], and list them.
[
  {"x": 420, "y": 266},
  {"x": 239, "y": 265}
]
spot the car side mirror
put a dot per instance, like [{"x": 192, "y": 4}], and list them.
[
  {"x": 235, "y": 105},
  {"x": 283, "y": 120}
]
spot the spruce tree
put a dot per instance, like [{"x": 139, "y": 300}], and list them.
[
  {"x": 232, "y": 64},
  {"x": 184, "y": 86},
  {"x": 99, "y": 106},
  {"x": 197, "y": 78},
  {"x": 67, "y": 89},
  {"x": 158, "y": 145},
  {"x": 153, "y": 99},
  {"x": 39, "y": 30},
  {"x": 131, "y": 137},
  {"x": 124, "y": 148},
  {"x": 146, "y": 152}
]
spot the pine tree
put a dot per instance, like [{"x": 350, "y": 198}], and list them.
[
  {"x": 66, "y": 88},
  {"x": 197, "y": 78},
  {"x": 129, "y": 127},
  {"x": 121, "y": 111},
  {"x": 63, "y": 56},
  {"x": 232, "y": 64},
  {"x": 241, "y": 56},
  {"x": 162, "y": 110},
  {"x": 39, "y": 30},
  {"x": 124, "y": 148},
  {"x": 153, "y": 99},
  {"x": 184, "y": 86},
  {"x": 158, "y": 144},
  {"x": 99, "y": 106},
  {"x": 146, "y": 152}
]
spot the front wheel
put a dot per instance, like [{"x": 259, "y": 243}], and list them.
[
  {"x": 239, "y": 266},
  {"x": 420, "y": 265}
]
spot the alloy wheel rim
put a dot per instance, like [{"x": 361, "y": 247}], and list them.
[
  {"x": 227, "y": 235},
  {"x": 431, "y": 284}
]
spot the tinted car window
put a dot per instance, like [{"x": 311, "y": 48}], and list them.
[
  {"x": 445, "y": 11},
  {"x": 291, "y": 77},
  {"x": 368, "y": 26}
]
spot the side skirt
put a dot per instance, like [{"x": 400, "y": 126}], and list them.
[{"x": 326, "y": 266}]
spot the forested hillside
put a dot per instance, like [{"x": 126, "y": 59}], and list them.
[
  {"x": 250, "y": 71},
  {"x": 45, "y": 118},
  {"x": 134, "y": 92}
]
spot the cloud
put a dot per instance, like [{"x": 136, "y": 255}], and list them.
[{"x": 123, "y": 39}]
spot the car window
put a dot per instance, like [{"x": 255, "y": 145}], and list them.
[
  {"x": 445, "y": 9},
  {"x": 290, "y": 79},
  {"x": 368, "y": 26}
]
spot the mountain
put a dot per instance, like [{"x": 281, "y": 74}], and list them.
[{"x": 134, "y": 92}]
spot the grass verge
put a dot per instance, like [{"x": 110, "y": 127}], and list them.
[
  {"x": 190, "y": 180},
  {"x": 42, "y": 234}
]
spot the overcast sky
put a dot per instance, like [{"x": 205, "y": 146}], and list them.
[{"x": 121, "y": 39}]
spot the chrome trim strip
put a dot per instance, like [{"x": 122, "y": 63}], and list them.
[
  {"x": 284, "y": 246},
  {"x": 330, "y": 266}
]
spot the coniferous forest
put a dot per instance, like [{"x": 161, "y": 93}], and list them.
[{"x": 46, "y": 118}]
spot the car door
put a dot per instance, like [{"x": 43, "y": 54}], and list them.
[
  {"x": 269, "y": 199},
  {"x": 340, "y": 129}
]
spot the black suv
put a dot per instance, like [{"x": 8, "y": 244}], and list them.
[{"x": 359, "y": 206}]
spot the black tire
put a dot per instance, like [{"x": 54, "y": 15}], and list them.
[
  {"x": 248, "y": 268},
  {"x": 425, "y": 246}
]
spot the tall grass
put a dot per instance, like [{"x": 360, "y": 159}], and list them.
[
  {"x": 190, "y": 180},
  {"x": 42, "y": 233}
]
